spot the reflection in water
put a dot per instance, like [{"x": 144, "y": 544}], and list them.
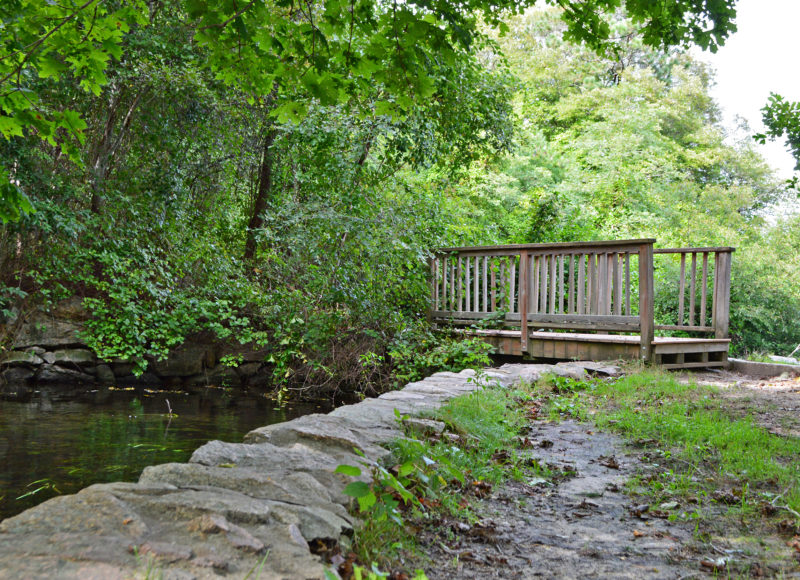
[{"x": 50, "y": 446}]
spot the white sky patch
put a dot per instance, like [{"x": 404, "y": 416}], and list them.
[{"x": 758, "y": 59}]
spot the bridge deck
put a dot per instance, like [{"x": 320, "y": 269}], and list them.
[{"x": 670, "y": 352}]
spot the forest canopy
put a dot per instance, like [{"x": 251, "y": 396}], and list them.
[{"x": 278, "y": 173}]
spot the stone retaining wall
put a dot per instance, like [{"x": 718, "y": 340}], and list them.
[
  {"x": 45, "y": 350},
  {"x": 233, "y": 506}
]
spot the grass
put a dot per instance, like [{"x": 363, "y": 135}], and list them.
[{"x": 701, "y": 449}]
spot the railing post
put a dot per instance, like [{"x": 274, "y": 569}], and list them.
[
  {"x": 646, "y": 301},
  {"x": 433, "y": 283},
  {"x": 722, "y": 294},
  {"x": 523, "y": 300}
]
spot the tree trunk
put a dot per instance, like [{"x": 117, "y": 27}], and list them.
[{"x": 262, "y": 194}]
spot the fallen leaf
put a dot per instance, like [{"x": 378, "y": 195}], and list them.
[
  {"x": 610, "y": 462},
  {"x": 638, "y": 534}
]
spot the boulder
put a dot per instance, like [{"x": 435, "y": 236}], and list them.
[
  {"x": 104, "y": 375},
  {"x": 20, "y": 357},
  {"x": 48, "y": 332},
  {"x": 78, "y": 356},
  {"x": 56, "y": 374}
]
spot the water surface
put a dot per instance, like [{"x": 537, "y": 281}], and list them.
[{"x": 57, "y": 444}]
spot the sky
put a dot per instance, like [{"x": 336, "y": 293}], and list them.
[{"x": 759, "y": 58}]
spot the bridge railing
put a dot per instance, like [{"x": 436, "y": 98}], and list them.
[
  {"x": 699, "y": 299},
  {"x": 597, "y": 286}
]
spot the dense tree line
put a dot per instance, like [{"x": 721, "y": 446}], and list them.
[{"x": 279, "y": 173}]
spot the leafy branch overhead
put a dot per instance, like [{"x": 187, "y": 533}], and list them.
[{"x": 327, "y": 52}]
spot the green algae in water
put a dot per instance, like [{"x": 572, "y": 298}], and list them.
[{"x": 50, "y": 447}]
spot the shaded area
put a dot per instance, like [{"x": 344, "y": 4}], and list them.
[{"x": 54, "y": 444}]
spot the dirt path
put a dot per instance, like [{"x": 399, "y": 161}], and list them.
[
  {"x": 587, "y": 526},
  {"x": 582, "y": 527}
]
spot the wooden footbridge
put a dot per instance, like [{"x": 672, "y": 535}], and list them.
[{"x": 589, "y": 300}]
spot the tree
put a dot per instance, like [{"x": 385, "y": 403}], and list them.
[
  {"x": 782, "y": 119},
  {"x": 331, "y": 51}
]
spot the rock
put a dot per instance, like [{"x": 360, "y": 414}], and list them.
[
  {"x": 185, "y": 361},
  {"x": 209, "y": 524},
  {"x": 78, "y": 356},
  {"x": 14, "y": 383},
  {"x": 570, "y": 370},
  {"x": 48, "y": 332},
  {"x": 146, "y": 379},
  {"x": 104, "y": 375},
  {"x": 20, "y": 357},
  {"x": 423, "y": 427},
  {"x": 326, "y": 433},
  {"x": 265, "y": 458},
  {"x": 36, "y": 350},
  {"x": 166, "y": 552},
  {"x": 48, "y": 357},
  {"x": 56, "y": 374}
]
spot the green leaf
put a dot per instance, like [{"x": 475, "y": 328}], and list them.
[
  {"x": 367, "y": 501},
  {"x": 357, "y": 489},
  {"x": 350, "y": 470}
]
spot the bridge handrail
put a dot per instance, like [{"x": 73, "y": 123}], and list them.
[{"x": 599, "y": 286}]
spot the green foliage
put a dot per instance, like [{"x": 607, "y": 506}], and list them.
[
  {"x": 417, "y": 352},
  {"x": 782, "y": 119}
]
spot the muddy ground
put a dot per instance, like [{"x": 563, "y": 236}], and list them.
[{"x": 589, "y": 525}]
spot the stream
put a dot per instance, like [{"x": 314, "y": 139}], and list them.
[{"x": 58, "y": 443}]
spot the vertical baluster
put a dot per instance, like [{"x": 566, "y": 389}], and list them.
[
  {"x": 452, "y": 304},
  {"x": 692, "y": 288},
  {"x": 591, "y": 290},
  {"x": 610, "y": 257},
  {"x": 534, "y": 298},
  {"x": 581, "y": 284},
  {"x": 571, "y": 287},
  {"x": 503, "y": 285},
  {"x": 460, "y": 293},
  {"x": 543, "y": 285},
  {"x": 476, "y": 290},
  {"x": 468, "y": 285},
  {"x": 435, "y": 276},
  {"x": 602, "y": 283},
  {"x": 561, "y": 283},
  {"x": 704, "y": 290},
  {"x": 485, "y": 278},
  {"x": 682, "y": 291},
  {"x": 512, "y": 292},
  {"x": 553, "y": 284},
  {"x": 617, "y": 285},
  {"x": 627, "y": 284},
  {"x": 492, "y": 269}
]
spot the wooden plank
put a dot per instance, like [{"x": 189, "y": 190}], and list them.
[
  {"x": 617, "y": 275},
  {"x": 685, "y": 348},
  {"x": 692, "y": 288},
  {"x": 592, "y": 289},
  {"x": 646, "y": 301},
  {"x": 493, "y": 271},
  {"x": 524, "y": 271},
  {"x": 452, "y": 303},
  {"x": 512, "y": 293},
  {"x": 581, "y": 285},
  {"x": 515, "y": 248},
  {"x": 609, "y": 282},
  {"x": 722, "y": 299},
  {"x": 467, "y": 285},
  {"x": 682, "y": 289},
  {"x": 534, "y": 298},
  {"x": 543, "y": 284},
  {"x": 714, "y": 292},
  {"x": 503, "y": 289},
  {"x": 476, "y": 285},
  {"x": 704, "y": 290},
  {"x": 561, "y": 283},
  {"x": 693, "y": 365},
  {"x": 444, "y": 304},
  {"x": 689, "y": 250},
  {"x": 571, "y": 287},
  {"x": 627, "y": 283},
  {"x": 552, "y": 284},
  {"x": 685, "y": 327},
  {"x": 435, "y": 275},
  {"x": 485, "y": 278}
]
